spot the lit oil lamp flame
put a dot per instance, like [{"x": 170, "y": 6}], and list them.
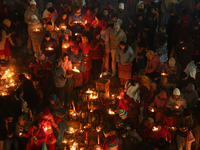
[
  {"x": 163, "y": 74},
  {"x": 63, "y": 27},
  {"x": 152, "y": 110},
  {"x": 177, "y": 107},
  {"x": 154, "y": 129},
  {"x": 65, "y": 141},
  {"x": 57, "y": 29},
  {"x": 50, "y": 48},
  {"x": 111, "y": 112},
  {"x": 20, "y": 134},
  {"x": 101, "y": 75},
  {"x": 76, "y": 70},
  {"x": 89, "y": 91}
]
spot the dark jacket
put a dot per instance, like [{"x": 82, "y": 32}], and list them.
[
  {"x": 191, "y": 123},
  {"x": 29, "y": 94},
  {"x": 52, "y": 44},
  {"x": 59, "y": 21},
  {"x": 184, "y": 53},
  {"x": 172, "y": 23}
]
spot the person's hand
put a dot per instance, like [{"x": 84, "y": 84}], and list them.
[
  {"x": 35, "y": 141},
  {"x": 10, "y": 136},
  {"x": 58, "y": 130},
  {"x": 13, "y": 44},
  {"x": 73, "y": 24}
]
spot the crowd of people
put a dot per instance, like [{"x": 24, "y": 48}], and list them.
[{"x": 73, "y": 42}]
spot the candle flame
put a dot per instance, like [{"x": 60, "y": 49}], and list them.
[
  {"x": 101, "y": 75},
  {"x": 154, "y": 129},
  {"x": 163, "y": 74},
  {"x": 111, "y": 112}
]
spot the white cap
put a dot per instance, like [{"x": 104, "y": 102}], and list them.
[
  {"x": 172, "y": 62},
  {"x": 176, "y": 92},
  {"x": 33, "y": 2},
  {"x": 121, "y": 6},
  {"x": 34, "y": 17},
  {"x": 49, "y": 5}
]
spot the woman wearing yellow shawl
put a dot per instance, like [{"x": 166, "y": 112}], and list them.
[{"x": 153, "y": 67}]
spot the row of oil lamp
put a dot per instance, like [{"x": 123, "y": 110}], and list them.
[
  {"x": 62, "y": 27},
  {"x": 8, "y": 82}
]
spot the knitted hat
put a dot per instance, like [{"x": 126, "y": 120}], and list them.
[
  {"x": 163, "y": 79},
  {"x": 186, "y": 112},
  {"x": 190, "y": 86},
  {"x": 33, "y": 2},
  {"x": 34, "y": 17},
  {"x": 49, "y": 5},
  {"x": 176, "y": 92},
  {"x": 41, "y": 57},
  {"x": 121, "y": 6},
  {"x": 46, "y": 112},
  {"x": 68, "y": 32},
  {"x": 74, "y": 48},
  {"x": 172, "y": 62},
  {"x": 7, "y": 22},
  {"x": 53, "y": 97},
  {"x": 122, "y": 113},
  {"x": 116, "y": 26}
]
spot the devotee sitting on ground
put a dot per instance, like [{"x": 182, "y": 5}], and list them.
[
  {"x": 153, "y": 67},
  {"x": 177, "y": 102},
  {"x": 172, "y": 70},
  {"x": 190, "y": 95}
]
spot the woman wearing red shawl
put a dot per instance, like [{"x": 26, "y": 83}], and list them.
[
  {"x": 47, "y": 121},
  {"x": 37, "y": 135},
  {"x": 89, "y": 16},
  {"x": 86, "y": 49}
]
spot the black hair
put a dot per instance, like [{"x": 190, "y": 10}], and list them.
[
  {"x": 108, "y": 3},
  {"x": 151, "y": 8},
  {"x": 36, "y": 123},
  {"x": 51, "y": 9},
  {"x": 47, "y": 34},
  {"x": 65, "y": 54},
  {"x": 114, "y": 15},
  {"x": 124, "y": 44},
  {"x": 64, "y": 13},
  {"x": 183, "y": 11},
  {"x": 76, "y": 8},
  {"x": 104, "y": 9},
  {"x": 49, "y": 23},
  {"x": 139, "y": 14}
]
